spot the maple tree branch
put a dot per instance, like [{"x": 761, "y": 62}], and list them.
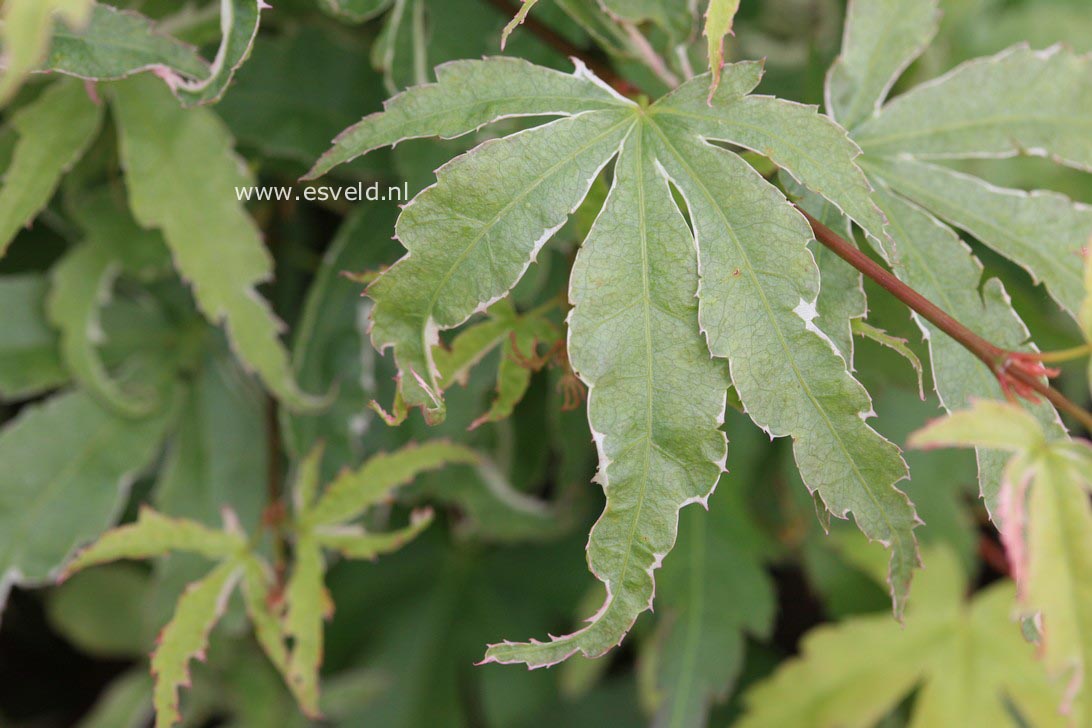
[{"x": 1018, "y": 372}]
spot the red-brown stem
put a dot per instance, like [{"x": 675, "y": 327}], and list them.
[{"x": 994, "y": 357}]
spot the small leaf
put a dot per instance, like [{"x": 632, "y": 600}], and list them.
[
  {"x": 354, "y": 542},
  {"x": 524, "y": 8},
  {"x": 26, "y": 29},
  {"x": 257, "y": 594},
  {"x": 154, "y": 534},
  {"x": 718, "y": 23},
  {"x": 895, "y": 344},
  {"x": 54, "y": 132},
  {"x": 354, "y": 491},
  {"x": 308, "y": 604},
  {"x": 186, "y": 637},
  {"x": 181, "y": 173}
]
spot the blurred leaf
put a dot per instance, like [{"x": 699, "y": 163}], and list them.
[
  {"x": 54, "y": 132},
  {"x": 182, "y": 176},
  {"x": 101, "y": 611},
  {"x": 30, "y": 358},
  {"x": 81, "y": 284},
  {"x": 331, "y": 346},
  {"x": 126, "y": 703},
  {"x": 291, "y": 110},
  {"x": 116, "y": 44},
  {"x": 26, "y": 30},
  {"x": 66, "y": 450},
  {"x": 1045, "y": 519},
  {"x": 711, "y": 593},
  {"x": 970, "y": 662},
  {"x": 355, "y": 11}
]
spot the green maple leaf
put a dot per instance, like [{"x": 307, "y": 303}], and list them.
[
  {"x": 639, "y": 337},
  {"x": 114, "y": 44},
  {"x": 1045, "y": 520},
  {"x": 968, "y": 661},
  {"x": 1017, "y": 102}
]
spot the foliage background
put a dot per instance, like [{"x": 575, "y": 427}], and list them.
[{"x": 401, "y": 646}]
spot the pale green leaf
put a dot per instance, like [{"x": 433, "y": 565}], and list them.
[
  {"x": 1085, "y": 316},
  {"x": 1017, "y": 102},
  {"x": 307, "y": 605},
  {"x": 971, "y": 665},
  {"x": 719, "y": 17},
  {"x": 154, "y": 534},
  {"x": 82, "y": 282},
  {"x": 355, "y": 543},
  {"x": 354, "y": 491},
  {"x": 181, "y": 173},
  {"x": 513, "y": 379},
  {"x": 66, "y": 450},
  {"x": 466, "y": 96},
  {"x": 895, "y": 344},
  {"x": 30, "y": 358},
  {"x": 186, "y": 637},
  {"x": 882, "y": 38},
  {"x": 655, "y": 399},
  {"x": 355, "y": 11},
  {"x": 759, "y": 286},
  {"x": 809, "y": 146},
  {"x": 25, "y": 31},
  {"x": 520, "y": 16},
  {"x": 239, "y": 21},
  {"x": 54, "y": 132},
  {"x": 475, "y": 343},
  {"x": 988, "y": 423},
  {"x": 258, "y": 593},
  {"x": 1043, "y": 232},
  {"x": 1059, "y": 579},
  {"x": 464, "y": 256},
  {"x": 305, "y": 481},
  {"x": 116, "y": 44}
]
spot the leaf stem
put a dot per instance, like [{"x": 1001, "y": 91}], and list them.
[{"x": 1018, "y": 372}]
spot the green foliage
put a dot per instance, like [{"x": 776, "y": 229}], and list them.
[
  {"x": 945, "y": 646},
  {"x": 601, "y": 273}
]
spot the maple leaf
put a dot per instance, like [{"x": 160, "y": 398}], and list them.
[
  {"x": 1017, "y": 102},
  {"x": 644, "y": 323},
  {"x": 968, "y": 661},
  {"x": 1045, "y": 519}
]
